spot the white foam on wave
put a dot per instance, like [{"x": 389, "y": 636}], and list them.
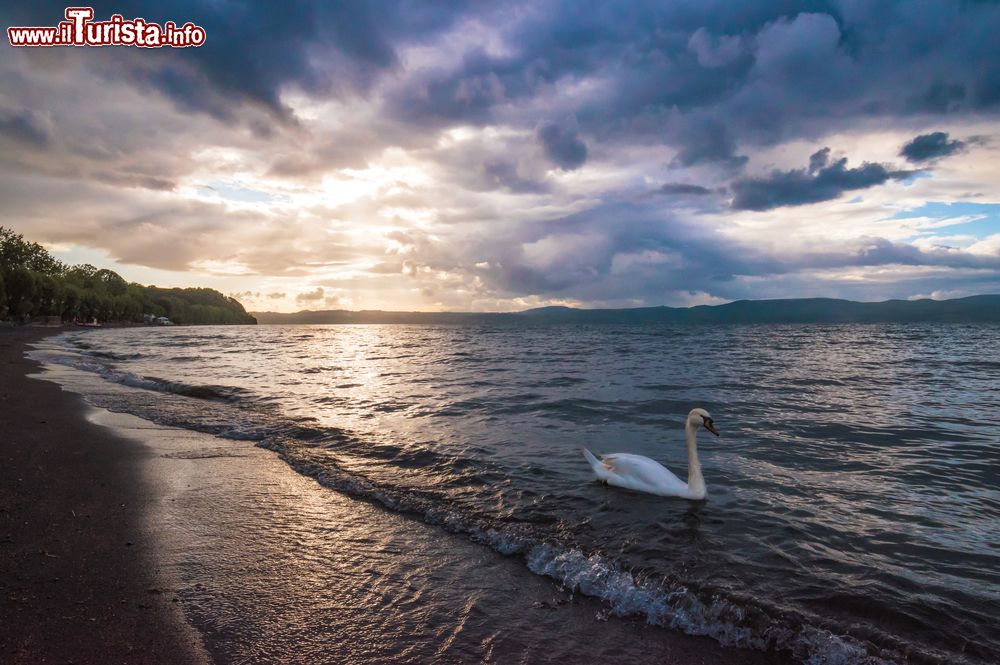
[
  {"x": 820, "y": 647},
  {"x": 87, "y": 363},
  {"x": 593, "y": 575},
  {"x": 598, "y": 576},
  {"x": 601, "y": 577}
]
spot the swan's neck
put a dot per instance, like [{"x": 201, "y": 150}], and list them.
[{"x": 696, "y": 483}]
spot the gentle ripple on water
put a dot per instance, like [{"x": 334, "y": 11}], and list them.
[{"x": 854, "y": 491}]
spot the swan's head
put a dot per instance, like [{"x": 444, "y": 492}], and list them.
[{"x": 702, "y": 418}]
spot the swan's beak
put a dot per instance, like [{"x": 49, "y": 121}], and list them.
[{"x": 711, "y": 428}]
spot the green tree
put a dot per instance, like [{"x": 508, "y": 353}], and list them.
[
  {"x": 16, "y": 252},
  {"x": 72, "y": 303},
  {"x": 33, "y": 282},
  {"x": 111, "y": 281},
  {"x": 49, "y": 294},
  {"x": 21, "y": 290},
  {"x": 83, "y": 275}
]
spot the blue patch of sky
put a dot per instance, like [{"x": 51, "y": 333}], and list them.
[
  {"x": 987, "y": 216},
  {"x": 232, "y": 192}
]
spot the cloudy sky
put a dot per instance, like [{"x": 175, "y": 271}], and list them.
[{"x": 503, "y": 155}]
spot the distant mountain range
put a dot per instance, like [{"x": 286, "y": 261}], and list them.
[{"x": 974, "y": 309}]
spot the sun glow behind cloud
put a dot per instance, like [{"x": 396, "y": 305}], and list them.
[{"x": 519, "y": 155}]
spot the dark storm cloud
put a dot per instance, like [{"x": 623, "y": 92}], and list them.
[
  {"x": 821, "y": 182},
  {"x": 711, "y": 79},
  {"x": 23, "y": 126},
  {"x": 708, "y": 141},
  {"x": 254, "y": 50},
  {"x": 662, "y": 55},
  {"x": 927, "y": 147},
  {"x": 562, "y": 146},
  {"x": 939, "y": 98},
  {"x": 703, "y": 78},
  {"x": 818, "y": 160},
  {"x": 681, "y": 189}
]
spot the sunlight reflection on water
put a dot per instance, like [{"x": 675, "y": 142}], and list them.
[{"x": 855, "y": 462}]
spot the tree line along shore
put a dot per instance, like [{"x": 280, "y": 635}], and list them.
[{"x": 35, "y": 284}]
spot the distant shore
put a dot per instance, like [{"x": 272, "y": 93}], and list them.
[
  {"x": 76, "y": 579},
  {"x": 973, "y": 309}
]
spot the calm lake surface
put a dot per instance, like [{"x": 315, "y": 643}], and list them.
[{"x": 853, "y": 511}]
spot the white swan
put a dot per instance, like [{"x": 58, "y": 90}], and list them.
[{"x": 635, "y": 472}]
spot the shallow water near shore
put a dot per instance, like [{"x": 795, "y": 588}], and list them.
[
  {"x": 853, "y": 511},
  {"x": 272, "y": 567}
]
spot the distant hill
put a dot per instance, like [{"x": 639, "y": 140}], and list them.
[
  {"x": 974, "y": 309},
  {"x": 379, "y": 316}
]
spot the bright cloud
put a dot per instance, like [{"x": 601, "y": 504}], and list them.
[{"x": 513, "y": 155}]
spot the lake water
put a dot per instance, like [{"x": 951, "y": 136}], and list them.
[{"x": 853, "y": 510}]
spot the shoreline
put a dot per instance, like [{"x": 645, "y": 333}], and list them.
[
  {"x": 189, "y": 584},
  {"x": 78, "y": 582}
]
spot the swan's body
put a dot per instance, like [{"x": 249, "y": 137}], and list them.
[{"x": 642, "y": 474}]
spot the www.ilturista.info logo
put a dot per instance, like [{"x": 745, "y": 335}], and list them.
[{"x": 80, "y": 30}]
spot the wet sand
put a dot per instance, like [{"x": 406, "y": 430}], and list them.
[
  {"x": 127, "y": 516},
  {"x": 78, "y": 583}
]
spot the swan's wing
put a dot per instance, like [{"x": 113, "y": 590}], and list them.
[{"x": 642, "y": 474}]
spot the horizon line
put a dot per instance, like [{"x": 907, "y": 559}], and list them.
[{"x": 623, "y": 309}]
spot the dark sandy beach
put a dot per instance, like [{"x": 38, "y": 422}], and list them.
[
  {"x": 76, "y": 579},
  {"x": 124, "y": 541}
]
